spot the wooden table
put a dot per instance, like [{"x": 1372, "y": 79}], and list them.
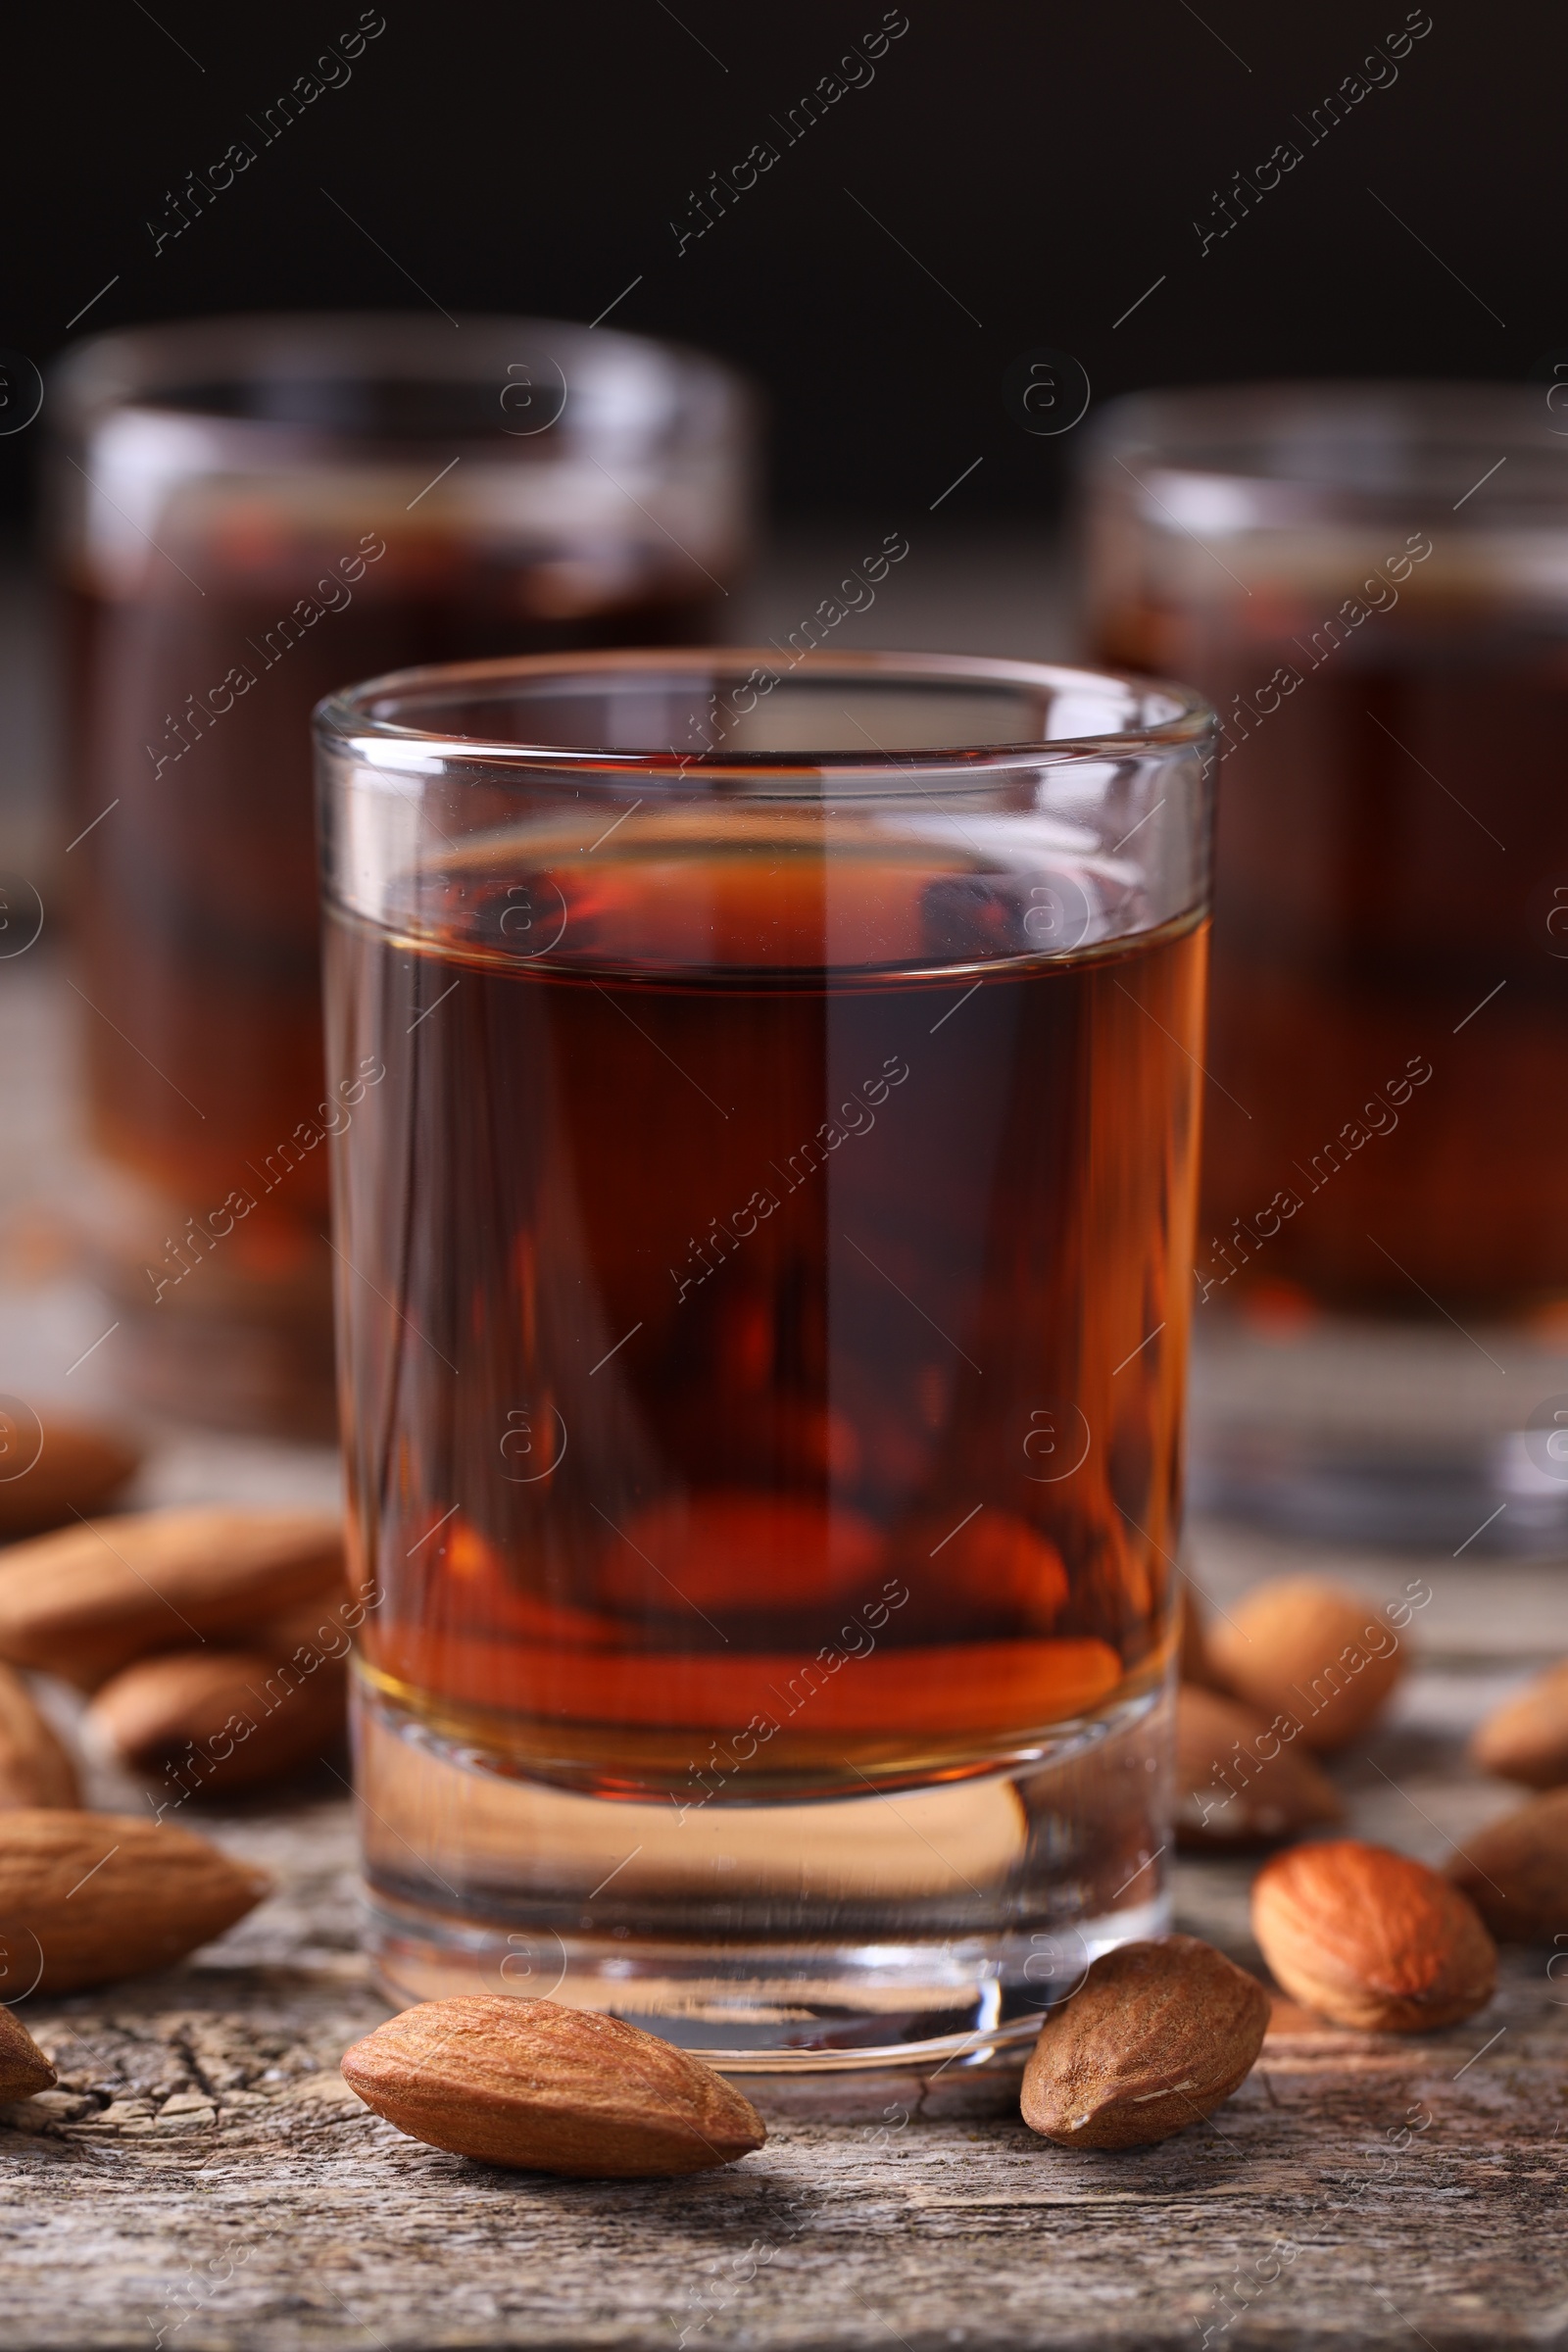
[{"x": 203, "y": 2177}]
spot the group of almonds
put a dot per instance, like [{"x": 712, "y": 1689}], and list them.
[
  {"x": 210, "y": 1643},
  {"x": 1159, "y": 2034},
  {"x": 178, "y": 1624},
  {"x": 1282, "y": 1664},
  {"x": 184, "y": 1627}
]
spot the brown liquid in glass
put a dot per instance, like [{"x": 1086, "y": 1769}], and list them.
[
  {"x": 197, "y": 913},
  {"x": 1390, "y": 899},
  {"x": 755, "y": 1368}
]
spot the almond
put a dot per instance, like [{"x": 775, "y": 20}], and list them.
[
  {"x": 1515, "y": 1871},
  {"x": 1526, "y": 1738},
  {"x": 321, "y": 1624},
  {"x": 35, "y": 1766},
  {"x": 77, "y": 1467},
  {"x": 550, "y": 2090},
  {"x": 93, "y": 1896},
  {"x": 221, "y": 1718},
  {"x": 1312, "y": 1650},
  {"x": 1370, "y": 1939},
  {"x": 84, "y": 1602},
  {"x": 1239, "y": 1781},
  {"x": 25, "y": 2071},
  {"x": 1155, "y": 2037}
]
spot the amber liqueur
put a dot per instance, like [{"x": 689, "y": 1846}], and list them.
[
  {"x": 1387, "y": 1121},
  {"x": 197, "y": 920},
  {"x": 769, "y": 1294}
]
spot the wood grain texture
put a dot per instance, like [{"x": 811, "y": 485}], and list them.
[{"x": 201, "y": 2179}]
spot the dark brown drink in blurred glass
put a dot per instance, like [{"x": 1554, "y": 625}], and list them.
[
  {"x": 254, "y": 512},
  {"x": 1370, "y": 583},
  {"x": 1388, "y": 1036}
]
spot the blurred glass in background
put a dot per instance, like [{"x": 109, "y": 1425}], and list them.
[
  {"x": 245, "y": 514},
  {"x": 1370, "y": 583}
]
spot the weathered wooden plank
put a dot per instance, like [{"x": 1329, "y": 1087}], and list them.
[
  {"x": 232, "y": 2194},
  {"x": 203, "y": 2179}
]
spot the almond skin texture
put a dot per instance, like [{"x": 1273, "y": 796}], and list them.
[
  {"x": 1515, "y": 1871},
  {"x": 321, "y": 1625},
  {"x": 85, "y": 1602},
  {"x": 1238, "y": 1782},
  {"x": 35, "y": 1766},
  {"x": 1312, "y": 1650},
  {"x": 80, "y": 1467},
  {"x": 25, "y": 2071},
  {"x": 247, "y": 1718},
  {"x": 1527, "y": 1738},
  {"x": 550, "y": 2090},
  {"x": 102, "y": 1895},
  {"x": 1155, "y": 2037},
  {"x": 1370, "y": 1939}
]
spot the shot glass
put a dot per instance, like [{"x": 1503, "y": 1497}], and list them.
[
  {"x": 248, "y": 514},
  {"x": 1370, "y": 583},
  {"x": 764, "y": 1213}
]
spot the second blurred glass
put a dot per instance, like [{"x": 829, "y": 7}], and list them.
[
  {"x": 1370, "y": 582},
  {"x": 250, "y": 512}
]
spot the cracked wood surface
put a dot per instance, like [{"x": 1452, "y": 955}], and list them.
[{"x": 203, "y": 2179}]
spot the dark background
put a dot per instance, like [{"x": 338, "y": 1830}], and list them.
[{"x": 1044, "y": 165}]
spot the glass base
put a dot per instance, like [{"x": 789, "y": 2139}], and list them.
[
  {"x": 905, "y": 1928},
  {"x": 1357, "y": 1431}
]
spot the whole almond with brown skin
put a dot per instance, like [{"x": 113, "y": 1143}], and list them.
[
  {"x": 1526, "y": 1738},
  {"x": 1155, "y": 2037},
  {"x": 90, "y": 1898},
  {"x": 35, "y": 1766},
  {"x": 80, "y": 1467},
  {"x": 1370, "y": 1939},
  {"x": 220, "y": 1718},
  {"x": 1312, "y": 1650},
  {"x": 1239, "y": 1782},
  {"x": 324, "y": 1625},
  {"x": 25, "y": 2071},
  {"x": 1515, "y": 1871},
  {"x": 87, "y": 1600},
  {"x": 550, "y": 2090}
]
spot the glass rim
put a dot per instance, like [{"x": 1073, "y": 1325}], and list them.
[
  {"x": 1425, "y": 403},
  {"x": 347, "y": 721},
  {"x": 1369, "y": 442},
  {"x": 129, "y": 368}
]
